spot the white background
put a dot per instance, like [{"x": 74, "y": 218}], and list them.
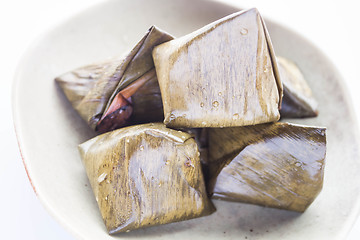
[{"x": 331, "y": 25}]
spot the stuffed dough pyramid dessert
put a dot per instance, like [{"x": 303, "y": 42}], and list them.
[
  {"x": 145, "y": 175},
  {"x": 278, "y": 165},
  {"x": 118, "y": 92},
  {"x": 298, "y": 100},
  {"x": 224, "y": 74}
]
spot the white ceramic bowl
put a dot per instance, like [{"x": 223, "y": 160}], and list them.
[{"x": 49, "y": 130}]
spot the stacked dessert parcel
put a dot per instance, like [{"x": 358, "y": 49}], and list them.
[{"x": 188, "y": 119}]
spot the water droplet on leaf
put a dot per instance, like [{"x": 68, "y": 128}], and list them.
[
  {"x": 244, "y": 31},
  {"x": 215, "y": 104}
]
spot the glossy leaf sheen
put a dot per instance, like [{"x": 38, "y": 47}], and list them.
[
  {"x": 145, "y": 175},
  {"x": 224, "y": 74},
  {"x": 91, "y": 89},
  {"x": 298, "y": 101},
  {"x": 275, "y": 165}
]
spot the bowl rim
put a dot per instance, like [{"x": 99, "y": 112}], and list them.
[{"x": 15, "y": 98}]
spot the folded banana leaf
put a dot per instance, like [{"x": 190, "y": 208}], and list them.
[
  {"x": 201, "y": 137},
  {"x": 276, "y": 165},
  {"x": 298, "y": 101},
  {"x": 147, "y": 103},
  {"x": 109, "y": 95},
  {"x": 224, "y": 74},
  {"x": 145, "y": 175}
]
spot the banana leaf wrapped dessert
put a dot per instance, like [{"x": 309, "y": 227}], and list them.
[
  {"x": 224, "y": 74},
  {"x": 120, "y": 91},
  {"x": 145, "y": 175},
  {"x": 276, "y": 165},
  {"x": 201, "y": 138},
  {"x": 298, "y": 101}
]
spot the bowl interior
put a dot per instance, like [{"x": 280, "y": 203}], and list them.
[{"x": 49, "y": 130}]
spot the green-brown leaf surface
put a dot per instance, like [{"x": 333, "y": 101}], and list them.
[
  {"x": 145, "y": 175},
  {"x": 91, "y": 89},
  {"x": 298, "y": 101},
  {"x": 275, "y": 165},
  {"x": 221, "y": 75}
]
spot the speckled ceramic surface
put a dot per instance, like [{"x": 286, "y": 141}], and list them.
[{"x": 49, "y": 130}]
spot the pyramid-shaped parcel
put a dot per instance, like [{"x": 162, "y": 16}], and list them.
[{"x": 222, "y": 75}]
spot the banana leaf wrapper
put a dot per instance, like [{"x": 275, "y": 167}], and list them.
[
  {"x": 201, "y": 138},
  {"x": 145, "y": 175},
  {"x": 118, "y": 92},
  {"x": 298, "y": 101},
  {"x": 276, "y": 165},
  {"x": 224, "y": 74}
]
